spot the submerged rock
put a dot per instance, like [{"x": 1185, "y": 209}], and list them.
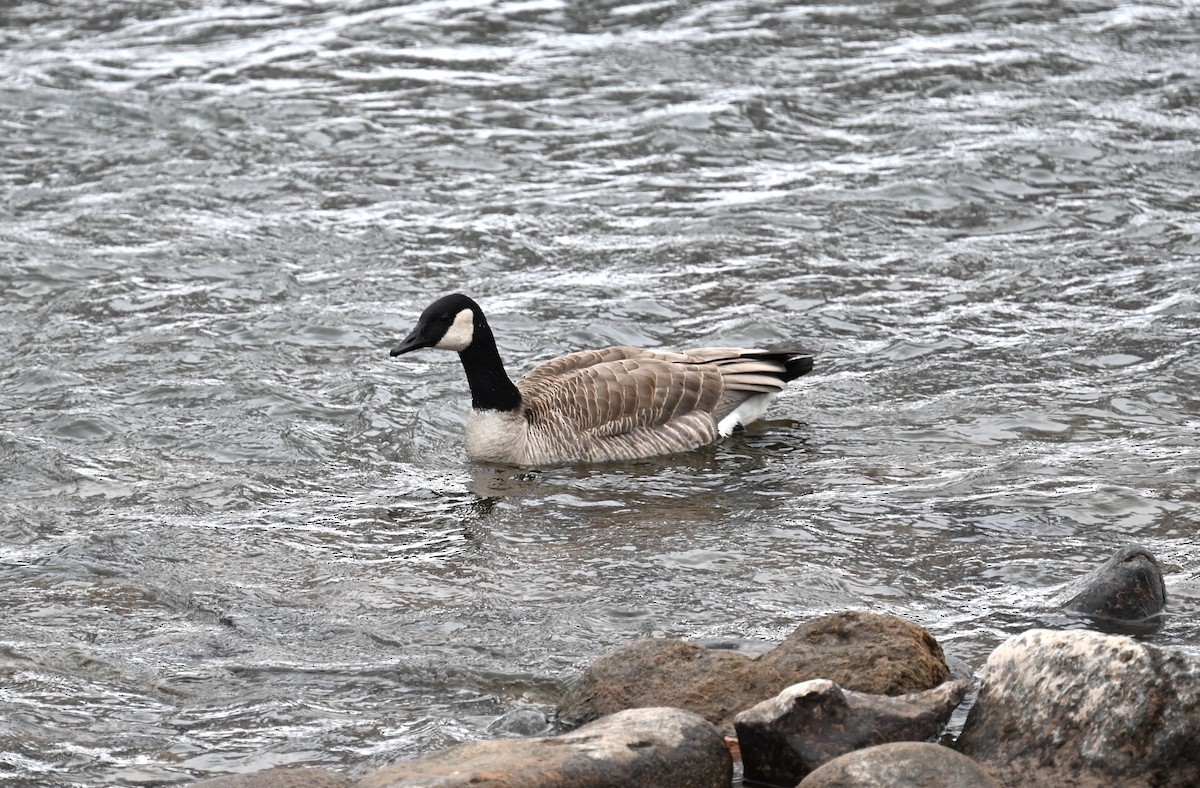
[
  {"x": 865, "y": 652},
  {"x": 1081, "y": 708},
  {"x": 785, "y": 738},
  {"x": 522, "y": 721},
  {"x": 901, "y": 765},
  {"x": 279, "y": 777},
  {"x": 1128, "y": 588},
  {"x": 654, "y": 746}
]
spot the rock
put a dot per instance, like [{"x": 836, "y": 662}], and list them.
[
  {"x": 279, "y": 777},
  {"x": 1057, "y": 707},
  {"x": 665, "y": 672},
  {"x": 1128, "y": 587},
  {"x": 785, "y": 738},
  {"x": 866, "y": 652},
  {"x": 522, "y": 721},
  {"x": 743, "y": 646},
  {"x": 636, "y": 747},
  {"x": 901, "y": 765}
]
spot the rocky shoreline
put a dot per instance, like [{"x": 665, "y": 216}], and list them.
[{"x": 852, "y": 699}]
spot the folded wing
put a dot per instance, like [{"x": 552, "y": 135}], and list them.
[{"x": 623, "y": 402}]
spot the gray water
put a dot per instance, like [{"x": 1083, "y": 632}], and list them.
[{"x": 234, "y": 533}]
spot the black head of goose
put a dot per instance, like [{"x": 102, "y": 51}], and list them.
[{"x": 615, "y": 403}]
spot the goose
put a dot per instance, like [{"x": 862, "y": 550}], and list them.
[{"x": 614, "y": 403}]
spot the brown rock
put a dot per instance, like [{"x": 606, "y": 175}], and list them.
[
  {"x": 901, "y": 765},
  {"x": 785, "y": 738},
  {"x": 655, "y": 746},
  {"x": 279, "y": 777},
  {"x": 667, "y": 672},
  {"x": 866, "y": 652}
]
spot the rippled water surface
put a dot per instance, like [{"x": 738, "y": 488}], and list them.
[{"x": 234, "y": 533}]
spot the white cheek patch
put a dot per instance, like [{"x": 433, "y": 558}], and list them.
[{"x": 460, "y": 334}]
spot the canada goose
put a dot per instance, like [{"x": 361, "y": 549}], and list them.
[{"x": 617, "y": 403}]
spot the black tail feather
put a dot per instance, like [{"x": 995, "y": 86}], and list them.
[{"x": 794, "y": 362}]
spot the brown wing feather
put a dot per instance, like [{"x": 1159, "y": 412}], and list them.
[
  {"x": 557, "y": 367},
  {"x": 610, "y": 397},
  {"x": 749, "y": 373}
]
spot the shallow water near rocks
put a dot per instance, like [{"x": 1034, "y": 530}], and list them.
[{"x": 235, "y": 534}]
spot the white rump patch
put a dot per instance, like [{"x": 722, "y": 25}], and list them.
[
  {"x": 461, "y": 332},
  {"x": 743, "y": 414}
]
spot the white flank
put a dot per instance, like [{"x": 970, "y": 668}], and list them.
[
  {"x": 745, "y": 413},
  {"x": 459, "y": 335}
]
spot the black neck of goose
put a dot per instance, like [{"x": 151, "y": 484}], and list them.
[{"x": 491, "y": 388}]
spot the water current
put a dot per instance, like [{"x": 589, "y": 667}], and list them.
[{"x": 234, "y": 533}]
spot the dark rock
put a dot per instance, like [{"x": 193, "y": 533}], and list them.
[
  {"x": 901, "y": 765},
  {"x": 279, "y": 777},
  {"x": 866, "y": 652},
  {"x": 1084, "y": 708},
  {"x": 960, "y": 669},
  {"x": 809, "y": 724},
  {"x": 636, "y": 747},
  {"x": 1128, "y": 587}
]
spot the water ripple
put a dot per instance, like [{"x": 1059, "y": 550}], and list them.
[{"x": 237, "y": 534}]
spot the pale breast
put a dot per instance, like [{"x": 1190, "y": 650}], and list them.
[{"x": 497, "y": 436}]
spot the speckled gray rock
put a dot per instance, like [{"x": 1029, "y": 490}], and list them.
[
  {"x": 1128, "y": 587},
  {"x": 901, "y": 765},
  {"x": 654, "y": 746},
  {"x": 786, "y": 737},
  {"x": 867, "y": 652},
  {"x": 279, "y": 777},
  {"x": 1082, "y": 708}
]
